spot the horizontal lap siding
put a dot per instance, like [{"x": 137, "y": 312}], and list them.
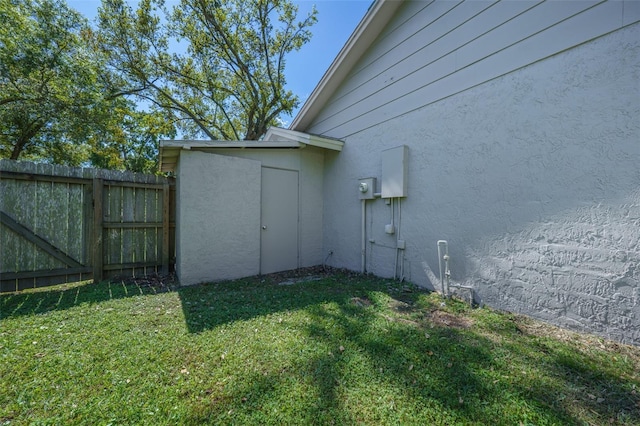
[{"x": 430, "y": 53}]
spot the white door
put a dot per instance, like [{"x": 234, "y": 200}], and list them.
[{"x": 279, "y": 215}]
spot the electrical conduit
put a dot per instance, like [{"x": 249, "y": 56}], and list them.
[{"x": 364, "y": 237}]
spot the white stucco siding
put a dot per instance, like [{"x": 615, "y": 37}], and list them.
[
  {"x": 309, "y": 162},
  {"x": 311, "y": 206},
  {"x": 532, "y": 177},
  {"x": 435, "y": 50},
  {"x": 218, "y": 217}
]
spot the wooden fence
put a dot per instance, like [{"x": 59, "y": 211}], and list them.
[{"x": 61, "y": 224}]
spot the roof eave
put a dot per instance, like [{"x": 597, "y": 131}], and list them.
[
  {"x": 278, "y": 133},
  {"x": 170, "y": 149},
  {"x": 276, "y": 138},
  {"x": 363, "y": 36}
]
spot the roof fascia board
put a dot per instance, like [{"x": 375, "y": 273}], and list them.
[
  {"x": 279, "y": 138},
  {"x": 321, "y": 142},
  {"x": 371, "y": 25},
  {"x": 186, "y": 144},
  {"x": 170, "y": 149},
  {"x": 274, "y": 133}
]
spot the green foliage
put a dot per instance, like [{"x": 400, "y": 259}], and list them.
[
  {"x": 68, "y": 93},
  {"x": 49, "y": 92},
  {"x": 56, "y": 101},
  {"x": 215, "y": 66},
  {"x": 130, "y": 139}
]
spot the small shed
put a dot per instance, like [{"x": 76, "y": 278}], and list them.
[{"x": 247, "y": 207}]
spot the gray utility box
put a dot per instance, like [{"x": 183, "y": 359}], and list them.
[
  {"x": 394, "y": 172},
  {"x": 367, "y": 188}
]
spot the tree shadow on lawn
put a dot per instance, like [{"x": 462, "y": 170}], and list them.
[
  {"x": 66, "y": 296},
  {"x": 208, "y": 306},
  {"x": 363, "y": 375},
  {"x": 376, "y": 369},
  {"x": 607, "y": 394}
]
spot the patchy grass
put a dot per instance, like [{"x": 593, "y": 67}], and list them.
[{"x": 343, "y": 349}]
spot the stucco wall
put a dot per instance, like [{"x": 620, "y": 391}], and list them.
[
  {"x": 218, "y": 217},
  {"x": 219, "y": 205},
  {"x": 532, "y": 177},
  {"x": 309, "y": 161}
]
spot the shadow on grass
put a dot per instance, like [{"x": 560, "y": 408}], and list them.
[
  {"x": 381, "y": 370},
  {"x": 599, "y": 386},
  {"x": 375, "y": 366},
  {"x": 208, "y": 306},
  {"x": 65, "y": 296}
]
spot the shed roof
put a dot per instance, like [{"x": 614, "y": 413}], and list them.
[{"x": 274, "y": 138}]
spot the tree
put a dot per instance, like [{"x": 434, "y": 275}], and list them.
[
  {"x": 49, "y": 91},
  {"x": 58, "y": 102},
  {"x": 215, "y": 66},
  {"x": 129, "y": 141}
]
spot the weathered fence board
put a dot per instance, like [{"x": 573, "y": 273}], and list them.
[{"x": 62, "y": 224}]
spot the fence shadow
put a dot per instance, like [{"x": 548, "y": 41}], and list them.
[
  {"x": 449, "y": 368},
  {"x": 66, "y": 296}
]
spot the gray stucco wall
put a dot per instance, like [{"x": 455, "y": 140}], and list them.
[
  {"x": 532, "y": 177},
  {"x": 309, "y": 161},
  {"x": 219, "y": 205},
  {"x": 218, "y": 217}
]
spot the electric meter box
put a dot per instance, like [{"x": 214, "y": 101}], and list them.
[
  {"x": 366, "y": 188},
  {"x": 394, "y": 172}
]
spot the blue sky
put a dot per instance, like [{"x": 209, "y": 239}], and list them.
[{"x": 336, "y": 21}]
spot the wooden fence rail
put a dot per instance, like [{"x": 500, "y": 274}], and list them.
[{"x": 61, "y": 224}]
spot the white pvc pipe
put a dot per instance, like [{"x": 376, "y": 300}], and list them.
[{"x": 442, "y": 246}]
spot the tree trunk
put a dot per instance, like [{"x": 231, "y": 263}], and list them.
[{"x": 24, "y": 139}]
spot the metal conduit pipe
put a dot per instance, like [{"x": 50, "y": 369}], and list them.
[
  {"x": 395, "y": 269},
  {"x": 398, "y": 242},
  {"x": 364, "y": 236},
  {"x": 395, "y": 262}
]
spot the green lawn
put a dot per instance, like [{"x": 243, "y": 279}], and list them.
[{"x": 344, "y": 349}]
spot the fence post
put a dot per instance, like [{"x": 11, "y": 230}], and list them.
[{"x": 97, "y": 230}]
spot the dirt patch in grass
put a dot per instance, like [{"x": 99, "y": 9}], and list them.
[
  {"x": 433, "y": 317},
  {"x": 400, "y": 306},
  {"x": 446, "y": 319},
  {"x": 299, "y": 275},
  {"x": 361, "y": 301}
]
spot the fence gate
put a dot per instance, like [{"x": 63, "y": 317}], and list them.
[{"x": 62, "y": 224}]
